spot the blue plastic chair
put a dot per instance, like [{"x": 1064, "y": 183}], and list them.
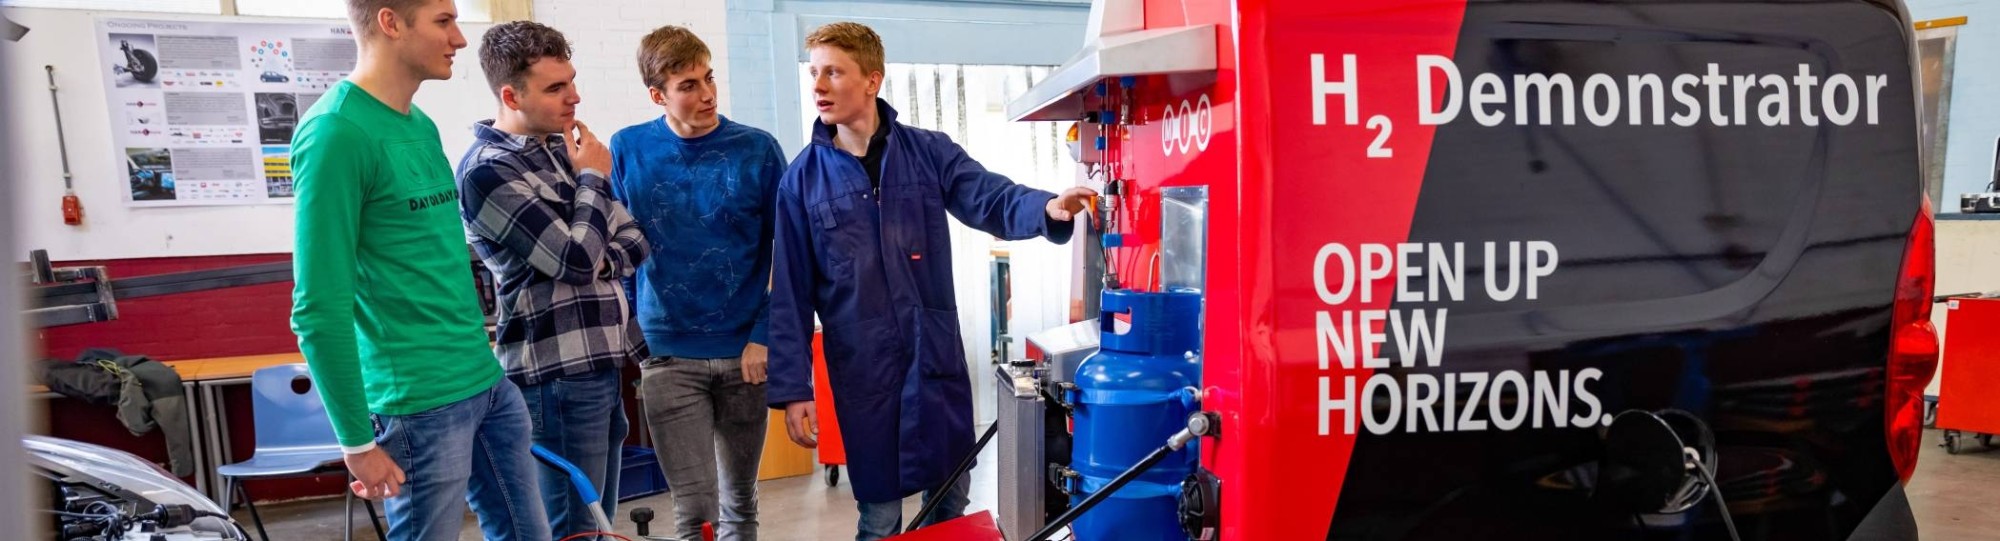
[{"x": 294, "y": 439}]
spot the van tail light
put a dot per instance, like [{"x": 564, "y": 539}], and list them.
[{"x": 1913, "y": 346}]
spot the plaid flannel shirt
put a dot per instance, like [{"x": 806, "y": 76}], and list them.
[{"x": 558, "y": 246}]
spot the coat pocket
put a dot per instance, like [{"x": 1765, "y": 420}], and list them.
[
  {"x": 940, "y": 349},
  {"x": 823, "y": 215},
  {"x": 859, "y": 356},
  {"x": 937, "y": 408},
  {"x": 835, "y": 247}
]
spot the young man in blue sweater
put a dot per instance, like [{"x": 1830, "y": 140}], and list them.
[{"x": 702, "y": 189}]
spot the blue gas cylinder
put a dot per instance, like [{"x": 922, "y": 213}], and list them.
[{"x": 1131, "y": 396}]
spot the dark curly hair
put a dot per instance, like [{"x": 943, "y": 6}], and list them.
[{"x": 508, "y": 49}]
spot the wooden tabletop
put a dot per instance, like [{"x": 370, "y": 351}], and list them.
[
  {"x": 217, "y": 368},
  {"x": 231, "y": 367}
]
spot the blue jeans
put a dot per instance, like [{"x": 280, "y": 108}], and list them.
[
  {"x": 582, "y": 419},
  {"x": 470, "y": 451},
  {"x": 884, "y": 519}
]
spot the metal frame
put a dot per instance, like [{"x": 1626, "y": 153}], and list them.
[
  {"x": 1002, "y": 293},
  {"x": 211, "y": 409},
  {"x": 88, "y": 295}
]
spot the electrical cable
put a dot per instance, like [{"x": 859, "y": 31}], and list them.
[
  {"x": 115, "y": 523},
  {"x": 1719, "y": 504},
  {"x": 107, "y": 518},
  {"x": 78, "y": 515},
  {"x": 599, "y": 535}
]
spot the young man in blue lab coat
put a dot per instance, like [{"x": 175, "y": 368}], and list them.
[{"x": 862, "y": 240}]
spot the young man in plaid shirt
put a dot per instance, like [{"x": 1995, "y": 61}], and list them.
[{"x": 538, "y": 208}]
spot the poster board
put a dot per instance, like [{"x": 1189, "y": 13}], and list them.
[{"x": 202, "y": 113}]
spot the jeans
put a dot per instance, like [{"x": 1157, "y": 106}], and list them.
[
  {"x": 702, "y": 414},
  {"x": 884, "y": 519},
  {"x": 582, "y": 419},
  {"x": 470, "y": 451}
]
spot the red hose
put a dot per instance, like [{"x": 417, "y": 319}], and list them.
[{"x": 596, "y": 534}]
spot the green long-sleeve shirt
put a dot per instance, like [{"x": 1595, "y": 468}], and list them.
[{"x": 384, "y": 305}]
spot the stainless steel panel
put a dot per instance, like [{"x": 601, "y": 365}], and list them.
[
  {"x": 1066, "y": 347},
  {"x": 1022, "y": 461},
  {"x": 1183, "y": 237}
]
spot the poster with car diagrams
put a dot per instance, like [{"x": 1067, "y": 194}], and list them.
[{"x": 202, "y": 113}]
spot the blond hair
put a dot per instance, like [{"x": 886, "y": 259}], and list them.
[
  {"x": 856, "y": 39},
  {"x": 361, "y": 13}
]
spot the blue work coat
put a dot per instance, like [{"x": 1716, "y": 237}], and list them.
[{"x": 876, "y": 267}]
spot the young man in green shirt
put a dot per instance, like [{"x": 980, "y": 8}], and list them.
[{"x": 384, "y": 304}]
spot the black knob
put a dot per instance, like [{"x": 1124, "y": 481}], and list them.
[
  {"x": 641, "y": 516},
  {"x": 1200, "y": 505}
]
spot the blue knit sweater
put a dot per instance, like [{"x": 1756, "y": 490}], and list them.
[{"x": 705, "y": 205}]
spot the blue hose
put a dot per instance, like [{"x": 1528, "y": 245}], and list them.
[
  {"x": 581, "y": 482},
  {"x": 576, "y": 477}
]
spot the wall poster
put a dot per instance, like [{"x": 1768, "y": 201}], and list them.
[{"x": 202, "y": 113}]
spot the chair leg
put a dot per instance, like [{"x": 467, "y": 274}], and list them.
[
  {"x": 252, "y": 504},
  {"x": 347, "y": 517},
  {"x": 228, "y": 494},
  {"x": 377, "y": 521}
]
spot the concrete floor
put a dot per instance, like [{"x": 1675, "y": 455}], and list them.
[
  {"x": 793, "y": 508},
  {"x": 1948, "y": 495}
]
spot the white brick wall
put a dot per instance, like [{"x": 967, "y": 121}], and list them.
[
  {"x": 751, "y": 69},
  {"x": 605, "y": 35}
]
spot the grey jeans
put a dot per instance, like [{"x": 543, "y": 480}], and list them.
[{"x": 707, "y": 424}]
